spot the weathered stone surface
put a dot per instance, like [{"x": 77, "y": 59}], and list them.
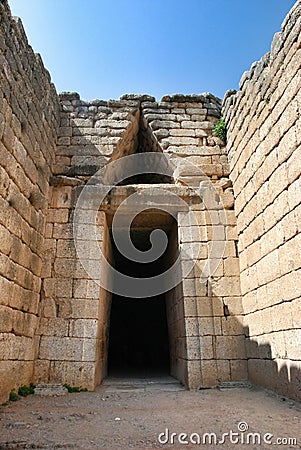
[
  {"x": 54, "y": 315},
  {"x": 50, "y": 390},
  {"x": 140, "y": 97},
  {"x": 264, "y": 164},
  {"x": 28, "y": 133}
]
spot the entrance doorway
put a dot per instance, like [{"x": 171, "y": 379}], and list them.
[
  {"x": 138, "y": 343},
  {"x": 139, "y": 336}
]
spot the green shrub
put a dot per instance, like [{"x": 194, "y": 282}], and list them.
[
  {"x": 24, "y": 390},
  {"x": 74, "y": 388},
  {"x": 13, "y": 396},
  {"x": 221, "y": 130}
]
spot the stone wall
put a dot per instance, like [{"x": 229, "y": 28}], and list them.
[
  {"x": 205, "y": 327},
  {"x": 96, "y": 132},
  {"x": 29, "y": 111},
  {"x": 90, "y": 134},
  {"x": 71, "y": 340},
  {"x": 263, "y": 120},
  {"x": 183, "y": 126},
  {"x": 54, "y": 317}
]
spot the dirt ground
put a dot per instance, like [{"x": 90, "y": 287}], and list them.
[{"x": 131, "y": 414}]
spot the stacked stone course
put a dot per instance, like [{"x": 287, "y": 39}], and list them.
[
  {"x": 263, "y": 120},
  {"x": 93, "y": 133},
  {"x": 29, "y": 118}
]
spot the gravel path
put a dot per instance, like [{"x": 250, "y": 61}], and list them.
[{"x": 132, "y": 415}]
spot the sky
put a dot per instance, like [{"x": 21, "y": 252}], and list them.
[{"x": 105, "y": 48}]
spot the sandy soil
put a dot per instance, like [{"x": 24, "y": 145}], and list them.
[{"x": 132, "y": 415}]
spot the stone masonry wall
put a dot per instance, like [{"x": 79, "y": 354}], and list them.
[
  {"x": 209, "y": 342},
  {"x": 183, "y": 126},
  {"x": 264, "y": 136},
  {"x": 96, "y": 132},
  {"x": 29, "y": 112},
  {"x": 54, "y": 319}
]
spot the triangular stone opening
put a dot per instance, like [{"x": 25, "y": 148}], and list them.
[{"x": 146, "y": 142}]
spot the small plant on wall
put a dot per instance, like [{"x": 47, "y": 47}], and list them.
[{"x": 221, "y": 129}]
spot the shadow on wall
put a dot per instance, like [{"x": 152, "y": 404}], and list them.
[
  {"x": 264, "y": 366},
  {"x": 280, "y": 375}
]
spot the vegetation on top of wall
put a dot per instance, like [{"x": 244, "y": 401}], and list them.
[{"x": 221, "y": 129}]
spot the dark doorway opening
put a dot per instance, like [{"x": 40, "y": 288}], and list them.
[{"x": 138, "y": 339}]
